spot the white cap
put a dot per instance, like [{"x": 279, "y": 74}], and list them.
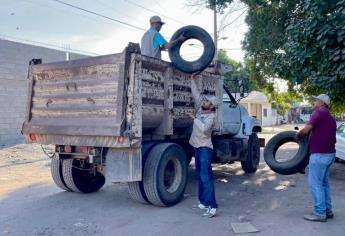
[
  {"x": 324, "y": 98},
  {"x": 156, "y": 19},
  {"x": 212, "y": 99}
]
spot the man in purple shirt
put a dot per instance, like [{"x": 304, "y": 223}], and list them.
[{"x": 322, "y": 130}]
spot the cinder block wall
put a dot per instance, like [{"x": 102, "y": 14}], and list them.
[{"x": 14, "y": 61}]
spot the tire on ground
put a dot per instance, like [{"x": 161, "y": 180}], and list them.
[
  {"x": 192, "y": 32},
  {"x": 56, "y": 172},
  {"x": 81, "y": 179},
  {"x": 165, "y": 174},
  {"x": 295, "y": 164},
  {"x": 250, "y": 165},
  {"x": 136, "y": 189}
]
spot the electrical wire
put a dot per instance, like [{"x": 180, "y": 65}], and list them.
[
  {"x": 156, "y": 12},
  {"x": 100, "y": 15}
]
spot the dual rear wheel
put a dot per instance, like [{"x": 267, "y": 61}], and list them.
[
  {"x": 165, "y": 171},
  {"x": 75, "y": 175}
]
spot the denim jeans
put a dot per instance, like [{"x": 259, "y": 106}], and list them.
[
  {"x": 319, "y": 165},
  {"x": 203, "y": 158}
]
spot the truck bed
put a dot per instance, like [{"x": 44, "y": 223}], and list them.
[{"x": 110, "y": 101}]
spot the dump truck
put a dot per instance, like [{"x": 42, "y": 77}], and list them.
[{"x": 124, "y": 118}]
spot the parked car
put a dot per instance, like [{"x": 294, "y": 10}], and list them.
[{"x": 340, "y": 145}]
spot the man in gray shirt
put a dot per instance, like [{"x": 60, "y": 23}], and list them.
[{"x": 152, "y": 42}]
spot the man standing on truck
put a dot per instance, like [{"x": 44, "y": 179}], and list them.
[
  {"x": 322, "y": 129},
  {"x": 200, "y": 139},
  {"x": 153, "y": 42}
]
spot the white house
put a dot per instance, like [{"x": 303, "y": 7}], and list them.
[{"x": 258, "y": 106}]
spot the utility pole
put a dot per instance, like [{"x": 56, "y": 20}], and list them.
[{"x": 215, "y": 32}]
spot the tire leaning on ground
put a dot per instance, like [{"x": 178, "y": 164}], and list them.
[
  {"x": 250, "y": 165},
  {"x": 81, "y": 179},
  {"x": 295, "y": 164},
  {"x": 165, "y": 174},
  {"x": 56, "y": 172},
  {"x": 192, "y": 32},
  {"x": 136, "y": 189}
]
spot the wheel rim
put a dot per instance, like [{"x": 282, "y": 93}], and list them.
[{"x": 172, "y": 180}]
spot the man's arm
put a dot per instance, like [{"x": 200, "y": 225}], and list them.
[
  {"x": 305, "y": 131},
  {"x": 173, "y": 43},
  {"x": 195, "y": 90},
  {"x": 205, "y": 125}
]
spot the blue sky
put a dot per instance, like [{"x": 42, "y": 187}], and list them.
[{"x": 53, "y": 23}]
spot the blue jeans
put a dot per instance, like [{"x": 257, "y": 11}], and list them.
[
  {"x": 319, "y": 165},
  {"x": 203, "y": 158}
]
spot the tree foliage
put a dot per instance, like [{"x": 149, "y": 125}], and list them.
[{"x": 301, "y": 41}]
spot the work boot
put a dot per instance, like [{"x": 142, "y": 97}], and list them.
[
  {"x": 329, "y": 215},
  {"x": 211, "y": 212},
  {"x": 313, "y": 217}
]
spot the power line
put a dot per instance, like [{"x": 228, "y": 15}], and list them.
[
  {"x": 156, "y": 12},
  {"x": 53, "y": 46},
  {"x": 84, "y": 16},
  {"x": 238, "y": 17},
  {"x": 100, "y": 15}
]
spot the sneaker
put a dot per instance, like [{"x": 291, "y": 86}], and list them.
[
  {"x": 202, "y": 206},
  {"x": 313, "y": 217},
  {"x": 211, "y": 212},
  {"x": 329, "y": 215}
]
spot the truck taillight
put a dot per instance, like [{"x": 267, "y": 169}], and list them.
[{"x": 33, "y": 137}]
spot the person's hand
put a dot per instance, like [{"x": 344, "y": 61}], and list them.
[
  {"x": 296, "y": 137},
  {"x": 191, "y": 116},
  {"x": 181, "y": 38}
]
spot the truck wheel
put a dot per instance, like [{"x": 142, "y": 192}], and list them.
[
  {"x": 292, "y": 166},
  {"x": 165, "y": 174},
  {"x": 192, "y": 32},
  {"x": 81, "y": 178},
  {"x": 250, "y": 165},
  {"x": 136, "y": 189},
  {"x": 56, "y": 172}
]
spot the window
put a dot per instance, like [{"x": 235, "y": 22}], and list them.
[{"x": 265, "y": 112}]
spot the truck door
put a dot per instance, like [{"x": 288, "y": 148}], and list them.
[{"x": 231, "y": 114}]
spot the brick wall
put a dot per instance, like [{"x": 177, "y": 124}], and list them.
[{"x": 14, "y": 60}]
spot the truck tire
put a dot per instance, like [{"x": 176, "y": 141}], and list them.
[
  {"x": 192, "y": 32},
  {"x": 165, "y": 174},
  {"x": 292, "y": 166},
  {"x": 56, "y": 172},
  {"x": 136, "y": 189},
  {"x": 250, "y": 165},
  {"x": 80, "y": 179}
]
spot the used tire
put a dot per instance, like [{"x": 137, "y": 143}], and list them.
[
  {"x": 136, "y": 189},
  {"x": 81, "y": 179},
  {"x": 292, "y": 166},
  {"x": 192, "y": 32},
  {"x": 165, "y": 174},
  {"x": 56, "y": 172},
  {"x": 250, "y": 165}
]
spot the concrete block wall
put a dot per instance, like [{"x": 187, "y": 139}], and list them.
[{"x": 14, "y": 61}]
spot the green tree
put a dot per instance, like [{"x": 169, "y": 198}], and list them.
[{"x": 301, "y": 41}]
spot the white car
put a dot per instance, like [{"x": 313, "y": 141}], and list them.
[{"x": 340, "y": 145}]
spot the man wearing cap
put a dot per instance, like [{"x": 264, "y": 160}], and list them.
[
  {"x": 322, "y": 129},
  {"x": 153, "y": 42},
  {"x": 200, "y": 139}
]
